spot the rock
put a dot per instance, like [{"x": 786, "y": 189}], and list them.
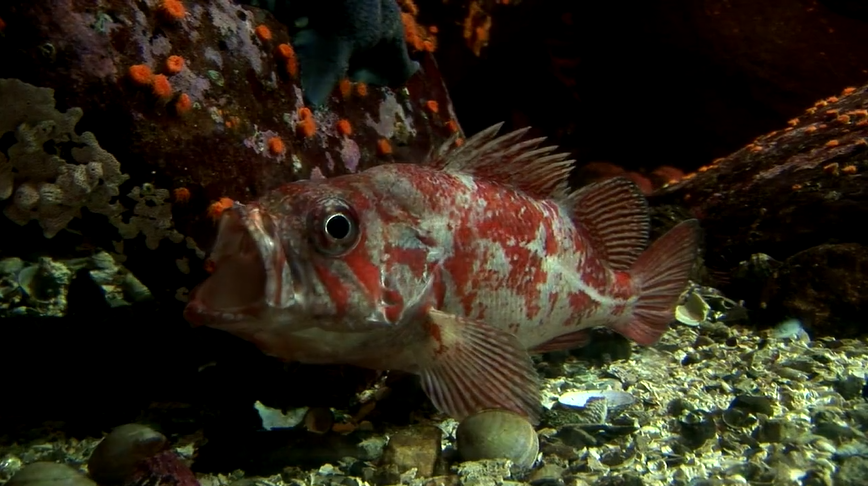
[
  {"x": 697, "y": 427},
  {"x": 753, "y": 404},
  {"x": 849, "y": 387},
  {"x": 228, "y": 123},
  {"x": 820, "y": 286},
  {"x": 415, "y": 447},
  {"x": 49, "y": 474},
  {"x": 119, "y": 454},
  {"x": 852, "y": 472},
  {"x": 547, "y": 475}
]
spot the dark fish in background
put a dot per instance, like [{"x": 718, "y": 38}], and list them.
[{"x": 333, "y": 39}]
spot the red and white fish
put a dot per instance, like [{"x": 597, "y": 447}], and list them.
[{"x": 452, "y": 270}]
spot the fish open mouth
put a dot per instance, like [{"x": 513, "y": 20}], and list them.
[{"x": 250, "y": 272}]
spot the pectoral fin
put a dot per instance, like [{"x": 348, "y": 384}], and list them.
[{"x": 468, "y": 366}]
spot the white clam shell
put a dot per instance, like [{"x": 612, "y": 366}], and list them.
[
  {"x": 694, "y": 311},
  {"x": 614, "y": 398}
]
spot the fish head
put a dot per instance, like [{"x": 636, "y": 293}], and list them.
[{"x": 310, "y": 255}]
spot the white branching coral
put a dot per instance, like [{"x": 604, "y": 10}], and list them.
[
  {"x": 152, "y": 215},
  {"x": 42, "y": 184}
]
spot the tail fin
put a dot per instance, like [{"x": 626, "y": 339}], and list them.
[{"x": 661, "y": 274}]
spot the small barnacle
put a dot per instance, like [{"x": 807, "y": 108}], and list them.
[
  {"x": 755, "y": 148},
  {"x": 148, "y": 189},
  {"x": 797, "y": 187},
  {"x": 217, "y": 77}
]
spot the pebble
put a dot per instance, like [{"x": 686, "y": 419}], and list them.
[{"x": 414, "y": 447}]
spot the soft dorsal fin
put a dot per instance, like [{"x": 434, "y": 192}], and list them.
[
  {"x": 616, "y": 215},
  {"x": 523, "y": 165}
]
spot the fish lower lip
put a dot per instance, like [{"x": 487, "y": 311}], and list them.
[{"x": 198, "y": 314}]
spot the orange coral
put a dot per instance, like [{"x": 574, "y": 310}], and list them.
[
  {"x": 183, "y": 104},
  {"x": 263, "y": 32},
  {"x": 181, "y": 194},
  {"x": 832, "y": 143},
  {"x": 850, "y": 170},
  {"x": 141, "y": 74},
  {"x": 162, "y": 87},
  {"x": 344, "y": 127},
  {"x": 848, "y": 91},
  {"x": 477, "y": 25},
  {"x": 362, "y": 89},
  {"x": 286, "y": 52},
  {"x": 276, "y": 146},
  {"x": 346, "y": 88},
  {"x": 384, "y": 147},
  {"x": 173, "y": 9},
  {"x": 432, "y": 106},
  {"x": 174, "y": 64},
  {"x": 452, "y": 126},
  {"x": 306, "y": 123},
  {"x": 216, "y": 208}
]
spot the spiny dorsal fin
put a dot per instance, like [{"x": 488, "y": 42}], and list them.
[
  {"x": 523, "y": 165},
  {"x": 616, "y": 214}
]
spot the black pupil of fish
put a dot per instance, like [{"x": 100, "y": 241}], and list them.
[{"x": 338, "y": 226}]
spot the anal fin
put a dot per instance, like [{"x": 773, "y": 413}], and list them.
[
  {"x": 467, "y": 366},
  {"x": 576, "y": 339},
  {"x": 616, "y": 214}
]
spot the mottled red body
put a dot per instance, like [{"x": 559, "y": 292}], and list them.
[{"x": 452, "y": 270}]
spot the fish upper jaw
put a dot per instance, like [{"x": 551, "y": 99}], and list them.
[{"x": 252, "y": 275}]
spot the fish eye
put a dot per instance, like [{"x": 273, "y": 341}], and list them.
[
  {"x": 338, "y": 226},
  {"x": 335, "y": 228}
]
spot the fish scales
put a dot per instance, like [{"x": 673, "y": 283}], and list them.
[{"x": 455, "y": 270}]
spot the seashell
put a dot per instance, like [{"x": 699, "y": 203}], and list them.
[
  {"x": 614, "y": 398},
  {"x": 115, "y": 458},
  {"x": 697, "y": 427},
  {"x": 319, "y": 420},
  {"x": 497, "y": 434},
  {"x": 49, "y": 474},
  {"x": 694, "y": 311}
]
